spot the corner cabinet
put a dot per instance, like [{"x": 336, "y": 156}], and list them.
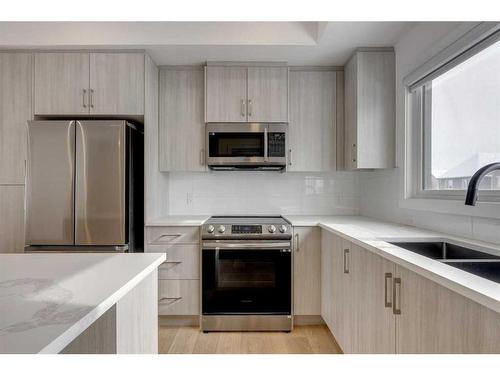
[
  {"x": 370, "y": 110},
  {"x": 372, "y": 305},
  {"x": 81, "y": 83},
  {"x": 246, "y": 93},
  {"x": 313, "y": 120},
  {"x": 306, "y": 264},
  {"x": 181, "y": 126}
]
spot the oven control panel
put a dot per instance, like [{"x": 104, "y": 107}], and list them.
[{"x": 246, "y": 229}]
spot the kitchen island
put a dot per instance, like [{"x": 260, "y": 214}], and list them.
[{"x": 79, "y": 303}]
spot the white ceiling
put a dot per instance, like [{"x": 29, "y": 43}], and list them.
[{"x": 172, "y": 43}]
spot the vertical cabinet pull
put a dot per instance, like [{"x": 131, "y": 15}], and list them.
[
  {"x": 297, "y": 242},
  {"x": 396, "y": 296},
  {"x": 249, "y": 107},
  {"x": 387, "y": 294},
  {"x": 346, "y": 260},
  {"x": 242, "y": 108},
  {"x": 266, "y": 151},
  {"x": 84, "y": 98},
  {"x": 202, "y": 156},
  {"x": 290, "y": 157},
  {"x": 91, "y": 98}
]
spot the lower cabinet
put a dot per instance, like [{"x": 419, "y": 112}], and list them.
[
  {"x": 306, "y": 264},
  {"x": 178, "y": 297},
  {"x": 12, "y": 218},
  {"x": 372, "y": 305},
  {"x": 179, "y": 275},
  {"x": 435, "y": 319}
]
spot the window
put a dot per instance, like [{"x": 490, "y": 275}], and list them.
[{"x": 459, "y": 122}]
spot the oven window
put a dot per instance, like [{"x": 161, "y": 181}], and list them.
[
  {"x": 240, "y": 273},
  {"x": 236, "y": 144}
]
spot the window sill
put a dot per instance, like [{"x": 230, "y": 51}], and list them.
[{"x": 452, "y": 206}]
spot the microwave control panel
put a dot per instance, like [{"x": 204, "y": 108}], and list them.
[{"x": 276, "y": 145}]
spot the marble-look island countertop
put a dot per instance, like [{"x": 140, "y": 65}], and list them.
[{"x": 47, "y": 300}]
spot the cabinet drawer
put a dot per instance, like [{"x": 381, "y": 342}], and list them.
[
  {"x": 169, "y": 235},
  {"x": 178, "y": 297},
  {"x": 183, "y": 261}
]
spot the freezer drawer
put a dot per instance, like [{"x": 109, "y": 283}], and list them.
[{"x": 50, "y": 183}]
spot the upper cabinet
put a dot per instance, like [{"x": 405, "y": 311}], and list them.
[
  {"x": 72, "y": 83},
  {"x": 267, "y": 94},
  {"x": 15, "y": 111},
  {"x": 313, "y": 118},
  {"x": 369, "y": 110},
  {"x": 181, "y": 126},
  {"x": 246, "y": 94},
  {"x": 61, "y": 83},
  {"x": 117, "y": 83}
]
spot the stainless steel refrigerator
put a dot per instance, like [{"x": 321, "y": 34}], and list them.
[{"x": 84, "y": 186}]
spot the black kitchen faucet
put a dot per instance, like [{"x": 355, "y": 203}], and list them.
[{"x": 471, "y": 197}]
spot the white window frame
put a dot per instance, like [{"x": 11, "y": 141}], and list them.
[{"x": 417, "y": 119}]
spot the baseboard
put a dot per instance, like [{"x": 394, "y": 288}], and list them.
[
  {"x": 307, "y": 320},
  {"x": 179, "y": 320}
]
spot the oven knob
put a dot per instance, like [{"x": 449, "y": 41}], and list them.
[
  {"x": 282, "y": 228},
  {"x": 222, "y": 228},
  {"x": 271, "y": 228},
  {"x": 210, "y": 229}
]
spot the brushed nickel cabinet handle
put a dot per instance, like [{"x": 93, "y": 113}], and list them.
[
  {"x": 396, "y": 296},
  {"x": 84, "y": 98},
  {"x": 290, "y": 156},
  {"x": 346, "y": 260},
  {"x": 387, "y": 295},
  {"x": 297, "y": 247},
  {"x": 249, "y": 107},
  {"x": 91, "y": 98},
  {"x": 242, "y": 107},
  {"x": 169, "y": 300}
]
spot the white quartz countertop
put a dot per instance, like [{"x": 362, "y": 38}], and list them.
[
  {"x": 47, "y": 300},
  {"x": 375, "y": 235},
  {"x": 178, "y": 220}
]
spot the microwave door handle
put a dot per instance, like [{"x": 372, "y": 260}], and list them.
[{"x": 265, "y": 144}]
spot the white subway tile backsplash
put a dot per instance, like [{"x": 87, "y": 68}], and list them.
[{"x": 238, "y": 193}]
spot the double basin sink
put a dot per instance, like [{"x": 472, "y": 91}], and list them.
[{"x": 477, "y": 262}]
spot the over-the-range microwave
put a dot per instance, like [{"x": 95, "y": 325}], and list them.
[{"x": 246, "y": 146}]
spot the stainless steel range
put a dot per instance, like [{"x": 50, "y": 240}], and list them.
[{"x": 246, "y": 274}]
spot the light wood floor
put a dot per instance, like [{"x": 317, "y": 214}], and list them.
[{"x": 302, "y": 340}]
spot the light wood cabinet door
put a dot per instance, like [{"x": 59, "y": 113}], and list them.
[
  {"x": 312, "y": 127},
  {"x": 11, "y": 219},
  {"x": 327, "y": 266},
  {"x": 435, "y": 319},
  {"x": 306, "y": 271},
  {"x": 117, "y": 83},
  {"x": 370, "y": 110},
  {"x": 61, "y": 83},
  {"x": 226, "y": 94},
  {"x": 181, "y": 127},
  {"x": 267, "y": 94},
  {"x": 374, "y": 328},
  {"x": 342, "y": 298},
  {"x": 15, "y": 111}
]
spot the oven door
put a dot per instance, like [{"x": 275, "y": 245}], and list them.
[{"x": 247, "y": 277}]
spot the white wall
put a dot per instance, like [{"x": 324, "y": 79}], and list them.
[
  {"x": 381, "y": 190},
  {"x": 240, "y": 193}
]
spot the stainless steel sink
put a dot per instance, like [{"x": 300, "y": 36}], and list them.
[
  {"x": 477, "y": 262},
  {"x": 444, "y": 250},
  {"x": 489, "y": 269}
]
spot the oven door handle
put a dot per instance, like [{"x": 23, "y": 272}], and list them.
[{"x": 254, "y": 245}]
